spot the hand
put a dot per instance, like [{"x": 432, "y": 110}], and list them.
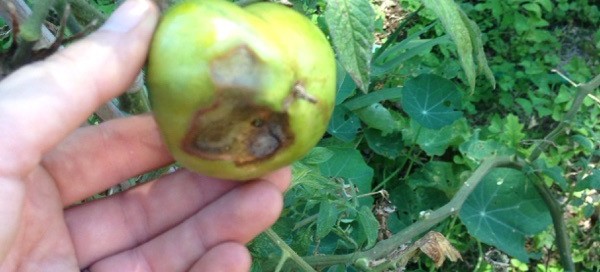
[{"x": 182, "y": 221}]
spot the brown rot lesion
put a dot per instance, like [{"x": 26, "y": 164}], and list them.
[{"x": 248, "y": 134}]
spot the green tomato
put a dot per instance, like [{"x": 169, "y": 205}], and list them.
[{"x": 239, "y": 92}]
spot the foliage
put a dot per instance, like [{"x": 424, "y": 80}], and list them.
[{"x": 462, "y": 120}]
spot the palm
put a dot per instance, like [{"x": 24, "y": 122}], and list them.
[{"x": 182, "y": 221}]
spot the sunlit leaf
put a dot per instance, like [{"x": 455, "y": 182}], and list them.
[{"x": 351, "y": 26}]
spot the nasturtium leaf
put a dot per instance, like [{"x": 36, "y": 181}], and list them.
[
  {"x": 378, "y": 117},
  {"x": 326, "y": 219},
  {"x": 351, "y": 26},
  {"x": 368, "y": 225},
  {"x": 504, "y": 210},
  {"x": 432, "y": 101},
  {"x": 343, "y": 125},
  {"x": 388, "y": 146},
  {"x": 349, "y": 164}
]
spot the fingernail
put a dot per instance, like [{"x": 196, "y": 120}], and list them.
[{"x": 127, "y": 16}]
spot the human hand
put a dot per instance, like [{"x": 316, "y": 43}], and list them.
[{"x": 182, "y": 221}]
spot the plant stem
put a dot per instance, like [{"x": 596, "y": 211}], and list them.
[
  {"x": 582, "y": 92},
  {"x": 385, "y": 247},
  {"x": 560, "y": 229},
  {"x": 556, "y": 211},
  {"x": 289, "y": 251}
]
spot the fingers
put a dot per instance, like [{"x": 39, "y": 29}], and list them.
[
  {"x": 126, "y": 147},
  {"x": 12, "y": 195},
  {"x": 55, "y": 96},
  {"x": 106, "y": 227},
  {"x": 226, "y": 257},
  {"x": 237, "y": 216}
]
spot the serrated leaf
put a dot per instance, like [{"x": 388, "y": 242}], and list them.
[
  {"x": 344, "y": 124},
  {"x": 368, "y": 225},
  {"x": 477, "y": 150},
  {"x": 326, "y": 219},
  {"x": 378, "y": 117},
  {"x": 431, "y": 100},
  {"x": 449, "y": 14},
  {"x": 416, "y": 48},
  {"x": 351, "y": 26},
  {"x": 435, "y": 142},
  {"x": 475, "y": 35},
  {"x": 348, "y": 163},
  {"x": 512, "y": 132},
  {"x": 504, "y": 210},
  {"x": 388, "y": 146},
  {"x": 317, "y": 155}
]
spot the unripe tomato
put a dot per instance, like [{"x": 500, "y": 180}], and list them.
[{"x": 239, "y": 92}]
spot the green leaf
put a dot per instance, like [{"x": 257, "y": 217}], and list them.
[
  {"x": 431, "y": 101},
  {"x": 504, "y": 210},
  {"x": 555, "y": 173},
  {"x": 343, "y": 124},
  {"x": 590, "y": 182},
  {"x": 348, "y": 163},
  {"x": 351, "y": 25},
  {"x": 388, "y": 146},
  {"x": 449, "y": 14},
  {"x": 368, "y": 225},
  {"x": 584, "y": 142},
  {"x": 378, "y": 117},
  {"x": 414, "y": 48},
  {"x": 317, "y": 155},
  {"x": 326, "y": 219},
  {"x": 513, "y": 131},
  {"x": 475, "y": 35},
  {"x": 435, "y": 142},
  {"x": 477, "y": 150},
  {"x": 345, "y": 85},
  {"x": 373, "y": 97}
]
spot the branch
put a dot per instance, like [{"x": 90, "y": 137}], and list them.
[
  {"x": 556, "y": 211},
  {"x": 386, "y": 247}
]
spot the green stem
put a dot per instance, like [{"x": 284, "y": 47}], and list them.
[
  {"x": 285, "y": 248},
  {"x": 385, "y": 247},
  {"x": 582, "y": 92},
  {"x": 556, "y": 211},
  {"x": 560, "y": 229}
]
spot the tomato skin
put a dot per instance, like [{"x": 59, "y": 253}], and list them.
[{"x": 239, "y": 92}]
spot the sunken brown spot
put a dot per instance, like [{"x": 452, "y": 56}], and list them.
[{"x": 234, "y": 128}]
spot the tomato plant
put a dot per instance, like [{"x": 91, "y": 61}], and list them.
[{"x": 466, "y": 131}]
